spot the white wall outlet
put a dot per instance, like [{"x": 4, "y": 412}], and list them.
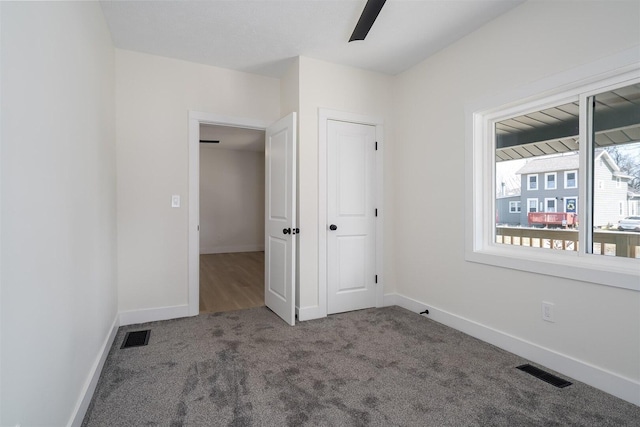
[
  {"x": 547, "y": 311},
  {"x": 175, "y": 201}
]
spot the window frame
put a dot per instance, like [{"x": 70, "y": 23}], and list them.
[
  {"x": 532, "y": 199},
  {"x": 555, "y": 180},
  {"x": 515, "y": 207},
  {"x": 546, "y": 204},
  {"x": 529, "y": 187},
  {"x": 574, "y": 180},
  {"x": 574, "y": 85}
]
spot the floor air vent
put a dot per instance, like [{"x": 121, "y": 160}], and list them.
[
  {"x": 136, "y": 339},
  {"x": 544, "y": 376}
]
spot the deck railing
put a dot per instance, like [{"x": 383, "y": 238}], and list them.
[{"x": 612, "y": 243}]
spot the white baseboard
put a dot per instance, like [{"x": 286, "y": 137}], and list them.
[
  {"x": 231, "y": 249},
  {"x": 310, "y": 313},
  {"x": 609, "y": 382},
  {"x": 134, "y": 317},
  {"x": 77, "y": 416}
]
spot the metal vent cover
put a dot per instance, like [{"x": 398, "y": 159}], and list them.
[
  {"x": 136, "y": 339},
  {"x": 544, "y": 376}
]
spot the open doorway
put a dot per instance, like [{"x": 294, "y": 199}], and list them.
[{"x": 232, "y": 195}]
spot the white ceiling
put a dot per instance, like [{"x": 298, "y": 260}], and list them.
[
  {"x": 232, "y": 138},
  {"x": 263, "y": 36}
]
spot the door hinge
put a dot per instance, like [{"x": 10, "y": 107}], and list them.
[
  {"x": 376, "y": 212},
  {"x": 376, "y": 145},
  {"x": 376, "y": 278},
  {"x": 198, "y": 228}
]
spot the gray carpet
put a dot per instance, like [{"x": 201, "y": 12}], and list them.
[{"x": 376, "y": 367}]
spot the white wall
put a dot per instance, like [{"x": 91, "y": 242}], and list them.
[
  {"x": 595, "y": 324},
  {"x": 153, "y": 98},
  {"x": 231, "y": 200},
  {"x": 59, "y": 297},
  {"x": 326, "y": 85}
]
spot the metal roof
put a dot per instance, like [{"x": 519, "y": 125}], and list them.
[
  {"x": 555, "y": 130},
  {"x": 551, "y": 164}
]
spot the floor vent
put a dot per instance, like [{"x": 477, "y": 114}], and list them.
[
  {"x": 544, "y": 376},
  {"x": 136, "y": 339}
]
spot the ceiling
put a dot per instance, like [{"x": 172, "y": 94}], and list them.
[
  {"x": 232, "y": 138},
  {"x": 616, "y": 121},
  {"x": 264, "y": 36}
]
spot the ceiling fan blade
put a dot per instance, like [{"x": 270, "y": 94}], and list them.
[{"x": 368, "y": 17}]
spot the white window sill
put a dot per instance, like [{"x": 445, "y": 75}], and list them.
[{"x": 601, "y": 269}]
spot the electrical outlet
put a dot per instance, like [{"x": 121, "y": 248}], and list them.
[{"x": 547, "y": 312}]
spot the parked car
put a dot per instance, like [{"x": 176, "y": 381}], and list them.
[{"x": 629, "y": 223}]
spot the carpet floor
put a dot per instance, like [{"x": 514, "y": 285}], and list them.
[{"x": 375, "y": 367}]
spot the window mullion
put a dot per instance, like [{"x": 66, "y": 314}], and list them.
[{"x": 585, "y": 175}]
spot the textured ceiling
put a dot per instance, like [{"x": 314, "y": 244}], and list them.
[{"x": 264, "y": 36}]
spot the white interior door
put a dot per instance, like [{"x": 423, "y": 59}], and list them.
[
  {"x": 280, "y": 218},
  {"x": 351, "y": 213}
]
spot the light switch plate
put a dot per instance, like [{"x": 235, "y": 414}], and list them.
[{"x": 175, "y": 201}]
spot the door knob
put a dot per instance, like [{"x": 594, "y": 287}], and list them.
[{"x": 333, "y": 227}]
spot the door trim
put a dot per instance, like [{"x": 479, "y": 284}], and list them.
[
  {"x": 324, "y": 115},
  {"x": 195, "y": 119}
]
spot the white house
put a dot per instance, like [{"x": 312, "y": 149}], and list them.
[{"x": 94, "y": 142}]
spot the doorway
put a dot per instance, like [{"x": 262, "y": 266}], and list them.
[
  {"x": 280, "y": 230},
  {"x": 231, "y": 193}
]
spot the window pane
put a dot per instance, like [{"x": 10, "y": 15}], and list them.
[
  {"x": 533, "y": 152},
  {"x": 616, "y": 172}
]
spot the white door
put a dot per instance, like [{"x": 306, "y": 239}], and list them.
[
  {"x": 280, "y": 218},
  {"x": 351, "y": 213}
]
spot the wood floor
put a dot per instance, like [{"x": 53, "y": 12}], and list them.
[{"x": 231, "y": 281}]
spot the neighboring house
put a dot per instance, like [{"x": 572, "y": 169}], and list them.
[
  {"x": 610, "y": 191},
  {"x": 633, "y": 201},
  {"x": 551, "y": 185},
  {"x": 508, "y": 209}
]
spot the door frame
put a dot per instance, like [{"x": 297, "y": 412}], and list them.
[
  {"x": 196, "y": 118},
  {"x": 324, "y": 115}
]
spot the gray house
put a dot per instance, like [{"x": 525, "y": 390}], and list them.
[{"x": 551, "y": 185}]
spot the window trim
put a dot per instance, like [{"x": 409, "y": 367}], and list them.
[
  {"x": 555, "y": 180},
  {"x": 529, "y": 187},
  {"x": 576, "y": 84},
  {"x": 532, "y": 199},
  {"x": 515, "y": 207},
  {"x": 575, "y": 179},
  {"x": 546, "y": 204}
]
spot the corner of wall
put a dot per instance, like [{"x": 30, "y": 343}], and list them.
[{"x": 86, "y": 395}]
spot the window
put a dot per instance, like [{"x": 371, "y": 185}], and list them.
[
  {"x": 588, "y": 133},
  {"x": 514, "y": 207},
  {"x": 550, "y": 181},
  {"x": 618, "y": 182},
  {"x": 550, "y": 205},
  {"x": 570, "y": 179}
]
